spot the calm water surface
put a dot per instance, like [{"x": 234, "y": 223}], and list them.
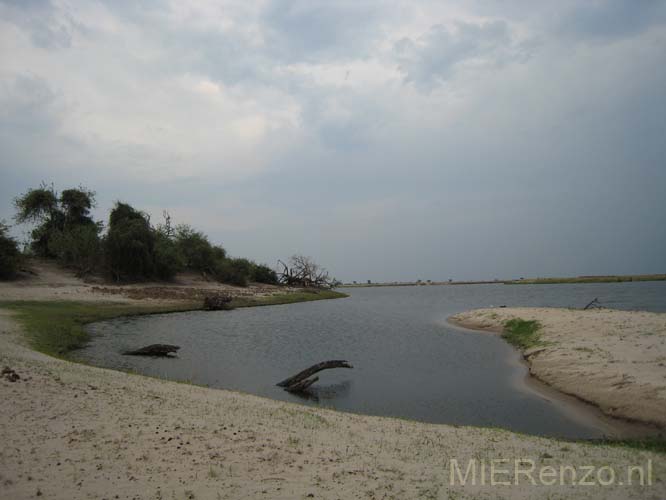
[{"x": 408, "y": 361}]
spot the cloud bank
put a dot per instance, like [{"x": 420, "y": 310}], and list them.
[{"x": 391, "y": 140}]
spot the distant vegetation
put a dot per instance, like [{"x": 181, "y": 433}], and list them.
[
  {"x": 589, "y": 279},
  {"x": 131, "y": 249}
]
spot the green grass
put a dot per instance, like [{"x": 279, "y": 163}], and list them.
[
  {"x": 655, "y": 444},
  {"x": 58, "y": 327},
  {"x": 522, "y": 333}
]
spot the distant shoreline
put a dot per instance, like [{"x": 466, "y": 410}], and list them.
[{"x": 620, "y": 278}]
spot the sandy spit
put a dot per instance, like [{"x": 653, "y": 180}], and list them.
[
  {"x": 613, "y": 359},
  {"x": 71, "y": 431}
]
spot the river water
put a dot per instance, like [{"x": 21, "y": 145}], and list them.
[{"x": 408, "y": 361}]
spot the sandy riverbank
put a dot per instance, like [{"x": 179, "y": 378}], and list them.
[
  {"x": 613, "y": 359},
  {"x": 73, "y": 431}
]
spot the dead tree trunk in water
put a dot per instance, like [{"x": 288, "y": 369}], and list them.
[
  {"x": 299, "y": 381},
  {"x": 163, "y": 350},
  {"x": 302, "y": 385},
  {"x": 593, "y": 304}
]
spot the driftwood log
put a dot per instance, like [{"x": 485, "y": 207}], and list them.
[
  {"x": 163, "y": 350},
  {"x": 301, "y": 381},
  {"x": 217, "y": 302},
  {"x": 593, "y": 305}
]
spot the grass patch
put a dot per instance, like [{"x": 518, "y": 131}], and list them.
[
  {"x": 655, "y": 444},
  {"x": 522, "y": 333},
  {"x": 58, "y": 327}
]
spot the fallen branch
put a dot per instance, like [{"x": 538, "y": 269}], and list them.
[
  {"x": 163, "y": 350},
  {"x": 594, "y": 304},
  {"x": 293, "y": 382}
]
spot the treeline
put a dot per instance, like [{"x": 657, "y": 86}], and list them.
[{"x": 131, "y": 248}]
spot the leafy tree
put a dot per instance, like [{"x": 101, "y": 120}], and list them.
[
  {"x": 10, "y": 257},
  {"x": 130, "y": 244},
  {"x": 55, "y": 216},
  {"x": 36, "y": 205},
  {"x": 76, "y": 205},
  {"x": 264, "y": 274},
  {"x": 167, "y": 257},
  {"x": 227, "y": 271},
  {"x": 197, "y": 251},
  {"x": 78, "y": 246}
]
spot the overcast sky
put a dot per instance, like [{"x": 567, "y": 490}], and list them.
[{"x": 389, "y": 140}]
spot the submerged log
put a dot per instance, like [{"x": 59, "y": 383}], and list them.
[
  {"x": 217, "y": 302},
  {"x": 163, "y": 350},
  {"x": 302, "y": 385},
  {"x": 291, "y": 382},
  {"x": 594, "y": 304}
]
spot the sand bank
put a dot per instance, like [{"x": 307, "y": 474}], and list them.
[{"x": 613, "y": 359}]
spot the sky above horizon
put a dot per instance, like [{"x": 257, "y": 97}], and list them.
[{"x": 389, "y": 140}]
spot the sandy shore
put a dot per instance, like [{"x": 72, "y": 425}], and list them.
[
  {"x": 73, "y": 431},
  {"x": 613, "y": 359}
]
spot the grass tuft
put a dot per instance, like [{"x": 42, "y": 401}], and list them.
[{"x": 522, "y": 333}]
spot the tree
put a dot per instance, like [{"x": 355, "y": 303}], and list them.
[
  {"x": 305, "y": 272},
  {"x": 36, "y": 205},
  {"x": 10, "y": 257},
  {"x": 76, "y": 205},
  {"x": 60, "y": 220},
  {"x": 129, "y": 244},
  {"x": 77, "y": 246},
  {"x": 264, "y": 274},
  {"x": 229, "y": 271},
  {"x": 197, "y": 251}
]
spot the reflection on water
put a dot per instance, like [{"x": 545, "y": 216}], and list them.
[
  {"x": 322, "y": 393},
  {"x": 408, "y": 362}
]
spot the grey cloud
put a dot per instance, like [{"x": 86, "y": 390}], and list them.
[
  {"x": 48, "y": 26},
  {"x": 432, "y": 59},
  {"x": 307, "y": 30},
  {"x": 547, "y": 168},
  {"x": 609, "y": 19},
  {"x": 28, "y": 107}
]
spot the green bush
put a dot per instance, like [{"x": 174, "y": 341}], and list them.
[
  {"x": 78, "y": 247},
  {"x": 55, "y": 217},
  {"x": 130, "y": 244},
  {"x": 168, "y": 258},
  {"x": 227, "y": 271},
  {"x": 198, "y": 253},
  {"x": 10, "y": 257},
  {"x": 264, "y": 274}
]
